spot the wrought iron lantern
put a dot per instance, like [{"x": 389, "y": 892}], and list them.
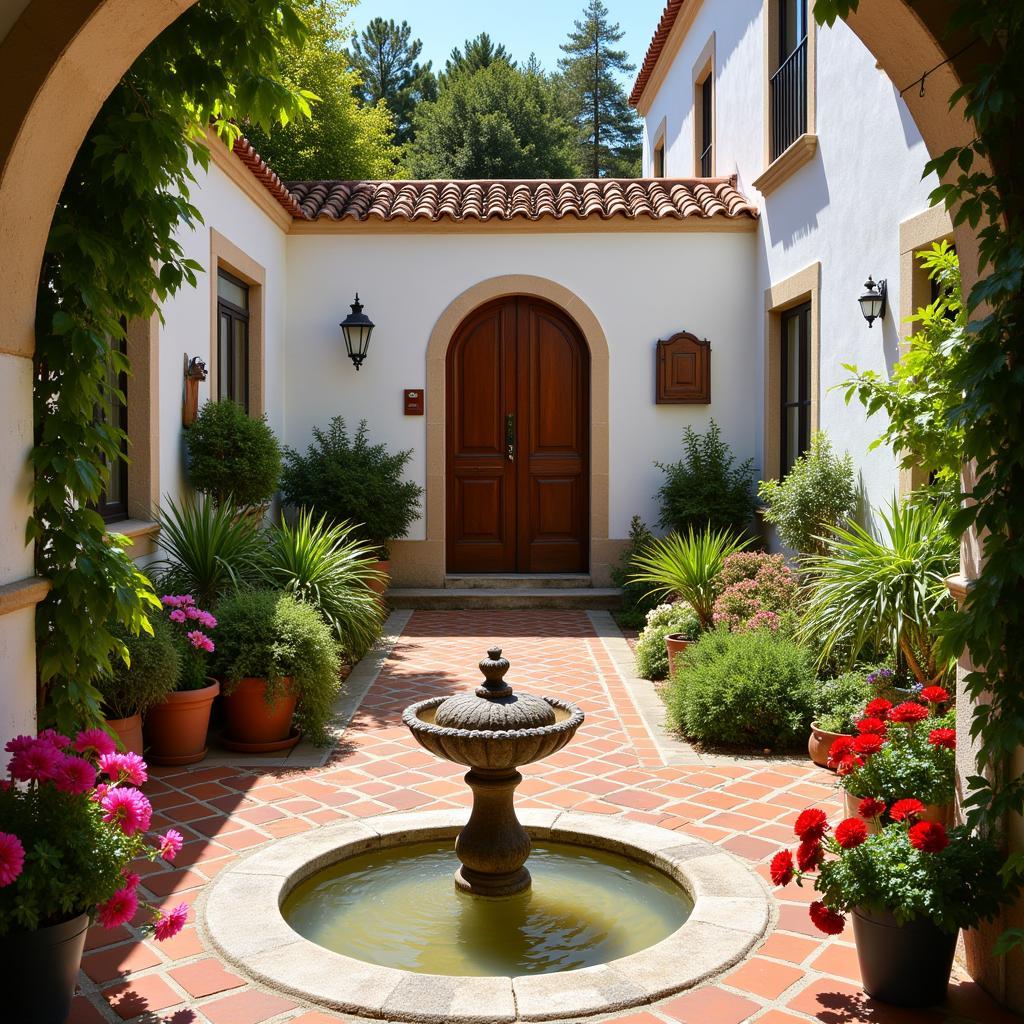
[
  {"x": 872, "y": 302},
  {"x": 357, "y": 328}
]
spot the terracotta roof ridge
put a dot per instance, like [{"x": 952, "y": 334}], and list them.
[
  {"x": 654, "y": 51},
  {"x": 261, "y": 170},
  {"x": 398, "y": 182}
]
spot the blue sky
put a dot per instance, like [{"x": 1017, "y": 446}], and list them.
[{"x": 524, "y": 26}]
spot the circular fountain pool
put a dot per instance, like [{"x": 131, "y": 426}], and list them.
[{"x": 398, "y": 908}]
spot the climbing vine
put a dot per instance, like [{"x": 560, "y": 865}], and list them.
[
  {"x": 982, "y": 186},
  {"x": 112, "y": 256}
]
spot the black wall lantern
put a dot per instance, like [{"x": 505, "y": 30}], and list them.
[
  {"x": 872, "y": 302},
  {"x": 357, "y": 328}
]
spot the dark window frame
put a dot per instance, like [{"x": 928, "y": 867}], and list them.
[
  {"x": 114, "y": 511},
  {"x": 802, "y": 402},
  {"x": 788, "y": 83},
  {"x": 707, "y": 127},
  {"x": 227, "y": 370}
]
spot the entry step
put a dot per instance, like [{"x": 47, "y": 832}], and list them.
[
  {"x": 517, "y": 581},
  {"x": 507, "y": 598}
]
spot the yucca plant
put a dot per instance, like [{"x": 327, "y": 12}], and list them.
[
  {"x": 886, "y": 590},
  {"x": 328, "y": 566},
  {"x": 210, "y": 550},
  {"x": 688, "y": 567}
]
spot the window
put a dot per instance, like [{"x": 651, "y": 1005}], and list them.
[
  {"x": 232, "y": 339},
  {"x": 705, "y": 127},
  {"x": 113, "y": 502},
  {"x": 795, "y": 366},
  {"x": 659, "y": 160},
  {"x": 789, "y": 82}
]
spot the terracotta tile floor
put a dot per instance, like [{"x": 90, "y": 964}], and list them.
[{"x": 612, "y": 767}]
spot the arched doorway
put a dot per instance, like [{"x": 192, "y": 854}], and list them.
[{"x": 517, "y": 461}]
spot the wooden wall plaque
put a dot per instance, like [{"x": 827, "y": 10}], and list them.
[{"x": 683, "y": 371}]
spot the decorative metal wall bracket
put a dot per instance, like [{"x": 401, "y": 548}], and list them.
[{"x": 195, "y": 373}]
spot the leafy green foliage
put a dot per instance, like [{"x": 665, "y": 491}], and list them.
[
  {"x": 755, "y": 588},
  {"x": 151, "y": 673},
  {"x": 233, "y": 457},
  {"x": 651, "y": 655},
  {"x": 817, "y": 494},
  {"x": 705, "y": 489},
  {"x": 343, "y": 138},
  {"x": 347, "y": 479},
  {"x": 608, "y": 129},
  {"x": 113, "y": 254},
  {"x": 636, "y": 601},
  {"x": 883, "y": 592},
  {"x": 497, "y": 122},
  {"x": 210, "y": 550},
  {"x": 752, "y": 689},
  {"x": 273, "y": 636},
  {"x": 839, "y": 702},
  {"x": 328, "y": 567}
]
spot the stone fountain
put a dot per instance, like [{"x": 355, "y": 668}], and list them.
[{"x": 493, "y": 731}]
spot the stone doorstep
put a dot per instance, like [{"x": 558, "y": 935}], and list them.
[
  {"x": 518, "y": 581},
  {"x": 506, "y": 598}
]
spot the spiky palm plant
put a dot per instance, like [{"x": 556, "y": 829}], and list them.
[
  {"x": 885, "y": 590},
  {"x": 688, "y": 567}
]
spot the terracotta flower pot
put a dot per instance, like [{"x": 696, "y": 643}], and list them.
[
  {"x": 38, "y": 971},
  {"x": 675, "y": 644},
  {"x": 129, "y": 732},
  {"x": 820, "y": 743},
  {"x": 253, "y": 725},
  {"x": 176, "y": 728},
  {"x": 380, "y": 586},
  {"x": 942, "y": 813},
  {"x": 903, "y": 964}
]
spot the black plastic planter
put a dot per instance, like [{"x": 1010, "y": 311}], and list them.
[
  {"x": 906, "y": 965},
  {"x": 39, "y": 971}
]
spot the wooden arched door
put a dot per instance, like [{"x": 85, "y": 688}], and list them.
[{"x": 518, "y": 439}]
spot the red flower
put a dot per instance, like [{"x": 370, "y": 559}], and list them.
[
  {"x": 935, "y": 694},
  {"x": 929, "y": 836},
  {"x": 869, "y": 807},
  {"x": 825, "y": 920},
  {"x": 851, "y": 833},
  {"x": 809, "y": 854},
  {"x": 848, "y": 764},
  {"x": 811, "y": 824},
  {"x": 871, "y": 725},
  {"x": 878, "y": 708},
  {"x": 908, "y": 712},
  {"x": 781, "y": 868},
  {"x": 839, "y": 749},
  {"x": 868, "y": 744},
  {"x": 943, "y": 738},
  {"x": 906, "y": 809}
]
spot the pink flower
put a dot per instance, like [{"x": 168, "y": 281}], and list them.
[
  {"x": 12, "y": 857},
  {"x": 170, "y": 601},
  {"x": 119, "y": 909},
  {"x": 168, "y": 925},
  {"x": 203, "y": 618},
  {"x": 74, "y": 775},
  {"x": 36, "y": 763},
  {"x": 128, "y": 808},
  {"x": 131, "y": 879},
  {"x": 56, "y": 739},
  {"x": 94, "y": 741},
  {"x": 200, "y": 641},
  {"x": 171, "y": 843},
  {"x": 19, "y": 744},
  {"x": 124, "y": 768},
  {"x": 101, "y": 791},
  {"x": 177, "y": 615}
]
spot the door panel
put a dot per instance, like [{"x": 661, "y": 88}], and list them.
[{"x": 523, "y": 359}]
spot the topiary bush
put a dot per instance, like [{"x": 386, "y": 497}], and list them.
[
  {"x": 756, "y": 590},
  {"x": 636, "y": 599},
  {"x": 350, "y": 480},
  {"x": 704, "y": 490},
  {"x": 152, "y": 672},
  {"x": 233, "y": 455},
  {"x": 818, "y": 494},
  {"x": 651, "y": 656},
  {"x": 746, "y": 689},
  {"x": 271, "y": 635}
]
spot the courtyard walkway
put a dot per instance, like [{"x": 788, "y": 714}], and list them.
[{"x": 613, "y": 767}]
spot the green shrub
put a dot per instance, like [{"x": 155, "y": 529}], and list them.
[
  {"x": 233, "y": 455},
  {"x": 636, "y": 601},
  {"x": 751, "y": 689},
  {"x": 818, "y": 494},
  {"x": 271, "y": 635},
  {"x": 704, "y": 490},
  {"x": 756, "y": 589},
  {"x": 152, "y": 672},
  {"x": 651, "y": 656},
  {"x": 839, "y": 702},
  {"x": 350, "y": 480}
]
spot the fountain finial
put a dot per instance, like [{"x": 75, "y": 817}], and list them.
[{"x": 494, "y": 667}]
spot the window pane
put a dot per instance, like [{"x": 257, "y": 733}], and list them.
[
  {"x": 232, "y": 291},
  {"x": 240, "y": 363},
  {"x": 793, "y": 440},
  {"x": 791, "y": 340},
  {"x": 224, "y": 357}
]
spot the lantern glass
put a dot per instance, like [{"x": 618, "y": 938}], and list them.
[
  {"x": 872, "y": 302},
  {"x": 357, "y": 328}
]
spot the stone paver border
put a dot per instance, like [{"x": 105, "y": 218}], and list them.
[{"x": 241, "y": 917}]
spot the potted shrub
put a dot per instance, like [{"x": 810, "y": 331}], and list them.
[
  {"x": 176, "y": 728},
  {"x": 349, "y": 480},
  {"x": 669, "y": 628},
  {"x": 148, "y": 669},
  {"x": 838, "y": 704},
  {"x": 71, "y": 823},
  {"x": 910, "y": 887},
  {"x": 279, "y": 663}
]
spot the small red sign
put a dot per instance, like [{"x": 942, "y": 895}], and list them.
[{"x": 413, "y": 401}]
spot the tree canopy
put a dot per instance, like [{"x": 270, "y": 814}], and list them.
[{"x": 474, "y": 55}]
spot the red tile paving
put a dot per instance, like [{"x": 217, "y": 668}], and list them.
[{"x": 797, "y": 976}]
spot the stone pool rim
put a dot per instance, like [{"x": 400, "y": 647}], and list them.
[{"x": 241, "y": 917}]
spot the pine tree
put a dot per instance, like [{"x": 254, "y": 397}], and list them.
[
  {"x": 475, "y": 54},
  {"x": 609, "y": 130},
  {"x": 386, "y": 57}
]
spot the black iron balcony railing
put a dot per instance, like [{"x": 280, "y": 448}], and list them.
[{"x": 789, "y": 100}]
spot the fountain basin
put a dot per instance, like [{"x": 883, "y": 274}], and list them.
[{"x": 242, "y": 918}]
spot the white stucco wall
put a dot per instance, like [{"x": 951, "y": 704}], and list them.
[{"x": 843, "y": 208}]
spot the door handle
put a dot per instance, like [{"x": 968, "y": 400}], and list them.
[{"x": 510, "y": 437}]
